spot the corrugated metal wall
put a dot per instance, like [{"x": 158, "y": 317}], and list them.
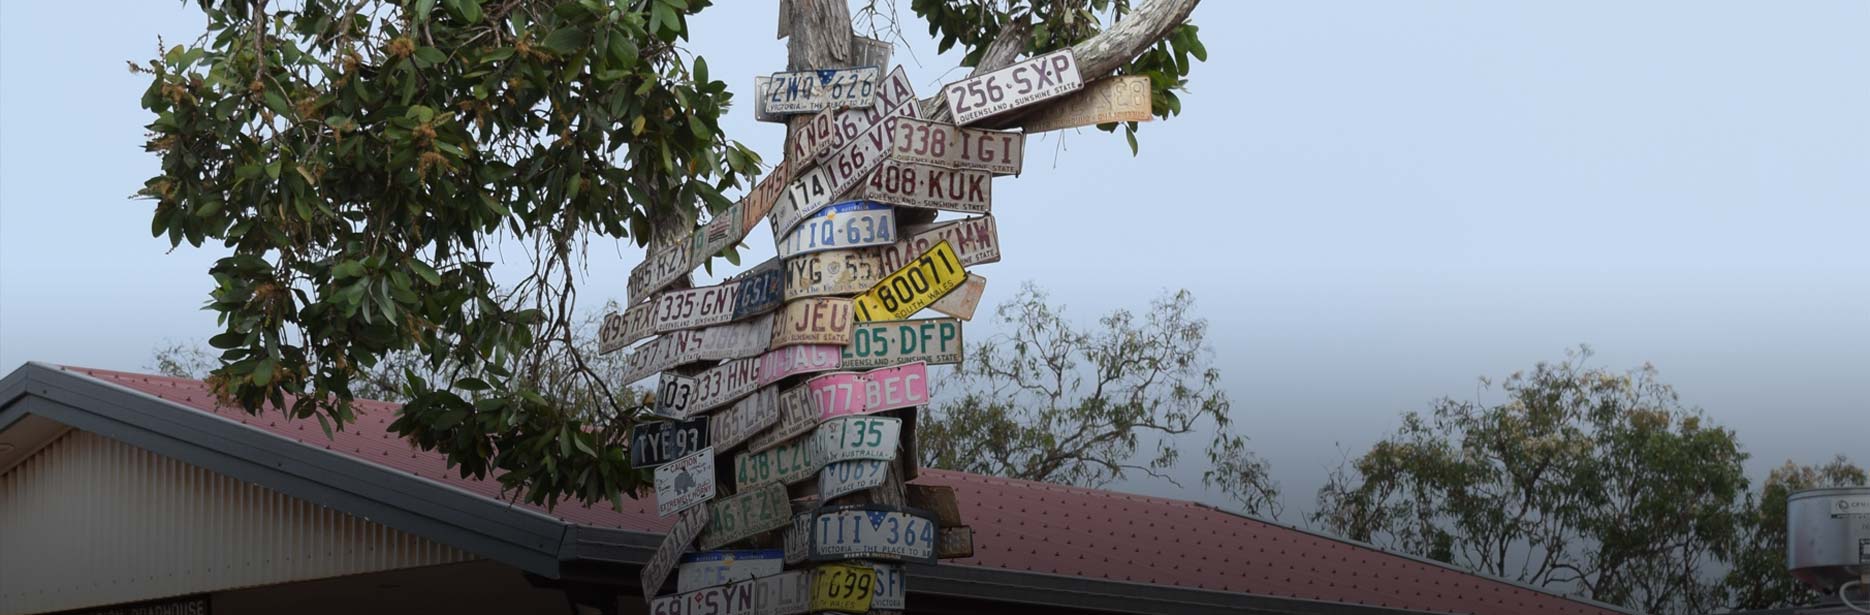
[{"x": 90, "y": 521}]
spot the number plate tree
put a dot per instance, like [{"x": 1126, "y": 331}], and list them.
[{"x": 359, "y": 156}]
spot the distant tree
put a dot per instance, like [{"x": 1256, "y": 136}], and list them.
[
  {"x": 1051, "y": 401},
  {"x": 1759, "y": 579},
  {"x": 1582, "y": 480}
]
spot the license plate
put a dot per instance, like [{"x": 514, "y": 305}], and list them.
[
  {"x": 786, "y": 593},
  {"x": 778, "y": 364},
  {"x": 744, "y": 514},
  {"x": 950, "y": 146},
  {"x": 662, "y": 353},
  {"x": 713, "y": 568},
  {"x": 845, "y": 588},
  {"x": 739, "y": 340},
  {"x": 1105, "y": 101},
  {"x": 960, "y": 302},
  {"x": 762, "y": 289},
  {"x": 695, "y": 307},
  {"x": 673, "y": 394},
  {"x": 975, "y": 240},
  {"x": 730, "y": 599},
  {"x": 955, "y": 542},
  {"x": 790, "y": 462},
  {"x": 635, "y": 323},
  {"x": 685, "y": 482},
  {"x": 851, "y": 224},
  {"x": 891, "y": 589},
  {"x": 743, "y": 419},
  {"x": 858, "y": 437},
  {"x": 1024, "y": 83},
  {"x": 916, "y": 285},
  {"x": 818, "y": 320},
  {"x": 891, "y": 388},
  {"x": 832, "y": 272},
  {"x": 658, "y": 269},
  {"x": 761, "y": 83},
  {"x": 723, "y": 230},
  {"x": 895, "y": 90},
  {"x": 810, "y": 91},
  {"x": 673, "y": 544},
  {"x": 846, "y": 477},
  {"x": 936, "y": 341},
  {"x": 872, "y": 531},
  {"x": 658, "y": 442},
  {"x": 759, "y": 201},
  {"x": 913, "y": 184},
  {"x": 798, "y": 415},
  {"x": 724, "y": 383},
  {"x": 798, "y": 537},
  {"x": 848, "y": 165},
  {"x": 838, "y": 394}
]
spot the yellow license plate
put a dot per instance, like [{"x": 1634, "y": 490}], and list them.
[
  {"x": 917, "y": 284},
  {"x": 840, "y": 587}
]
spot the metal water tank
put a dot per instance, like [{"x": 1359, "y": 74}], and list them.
[{"x": 1828, "y": 536}]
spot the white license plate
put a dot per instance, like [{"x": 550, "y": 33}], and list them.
[
  {"x": 846, "y": 477},
  {"x": 731, "y": 599},
  {"x": 798, "y": 537},
  {"x": 620, "y": 330},
  {"x": 712, "y": 568},
  {"x": 658, "y": 269},
  {"x": 685, "y": 483},
  {"x": 858, "y": 437},
  {"x": 687, "y": 527},
  {"x": 914, "y": 184},
  {"x": 662, "y": 353},
  {"x": 788, "y": 463},
  {"x": 746, "y": 417},
  {"x": 818, "y": 320},
  {"x": 936, "y": 341},
  {"x": 739, "y": 340},
  {"x": 851, "y": 224},
  {"x": 674, "y": 393},
  {"x": 798, "y": 415},
  {"x": 695, "y": 307},
  {"x": 1024, "y": 83},
  {"x": 954, "y": 147},
  {"x": 895, "y": 90},
  {"x": 724, "y": 383},
  {"x": 976, "y": 241},
  {"x": 786, "y": 593},
  {"x": 811, "y": 91},
  {"x": 891, "y": 589},
  {"x": 874, "y": 532},
  {"x": 746, "y": 513},
  {"x": 833, "y": 272},
  {"x": 653, "y": 443}
]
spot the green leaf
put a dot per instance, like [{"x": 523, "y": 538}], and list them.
[
  {"x": 566, "y": 40},
  {"x": 429, "y": 56},
  {"x": 423, "y": 8},
  {"x": 263, "y": 371},
  {"x": 448, "y": 419},
  {"x": 426, "y": 272},
  {"x": 1130, "y": 134}
]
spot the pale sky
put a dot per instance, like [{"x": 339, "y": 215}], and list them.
[{"x": 1373, "y": 202}]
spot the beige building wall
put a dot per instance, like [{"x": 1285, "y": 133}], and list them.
[{"x": 90, "y": 521}]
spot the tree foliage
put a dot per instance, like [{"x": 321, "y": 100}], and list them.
[
  {"x": 359, "y": 156},
  {"x": 1047, "y": 400},
  {"x": 1758, "y": 579},
  {"x": 1582, "y": 480}
]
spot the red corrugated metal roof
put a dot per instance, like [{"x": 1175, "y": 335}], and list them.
[{"x": 1027, "y": 526}]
